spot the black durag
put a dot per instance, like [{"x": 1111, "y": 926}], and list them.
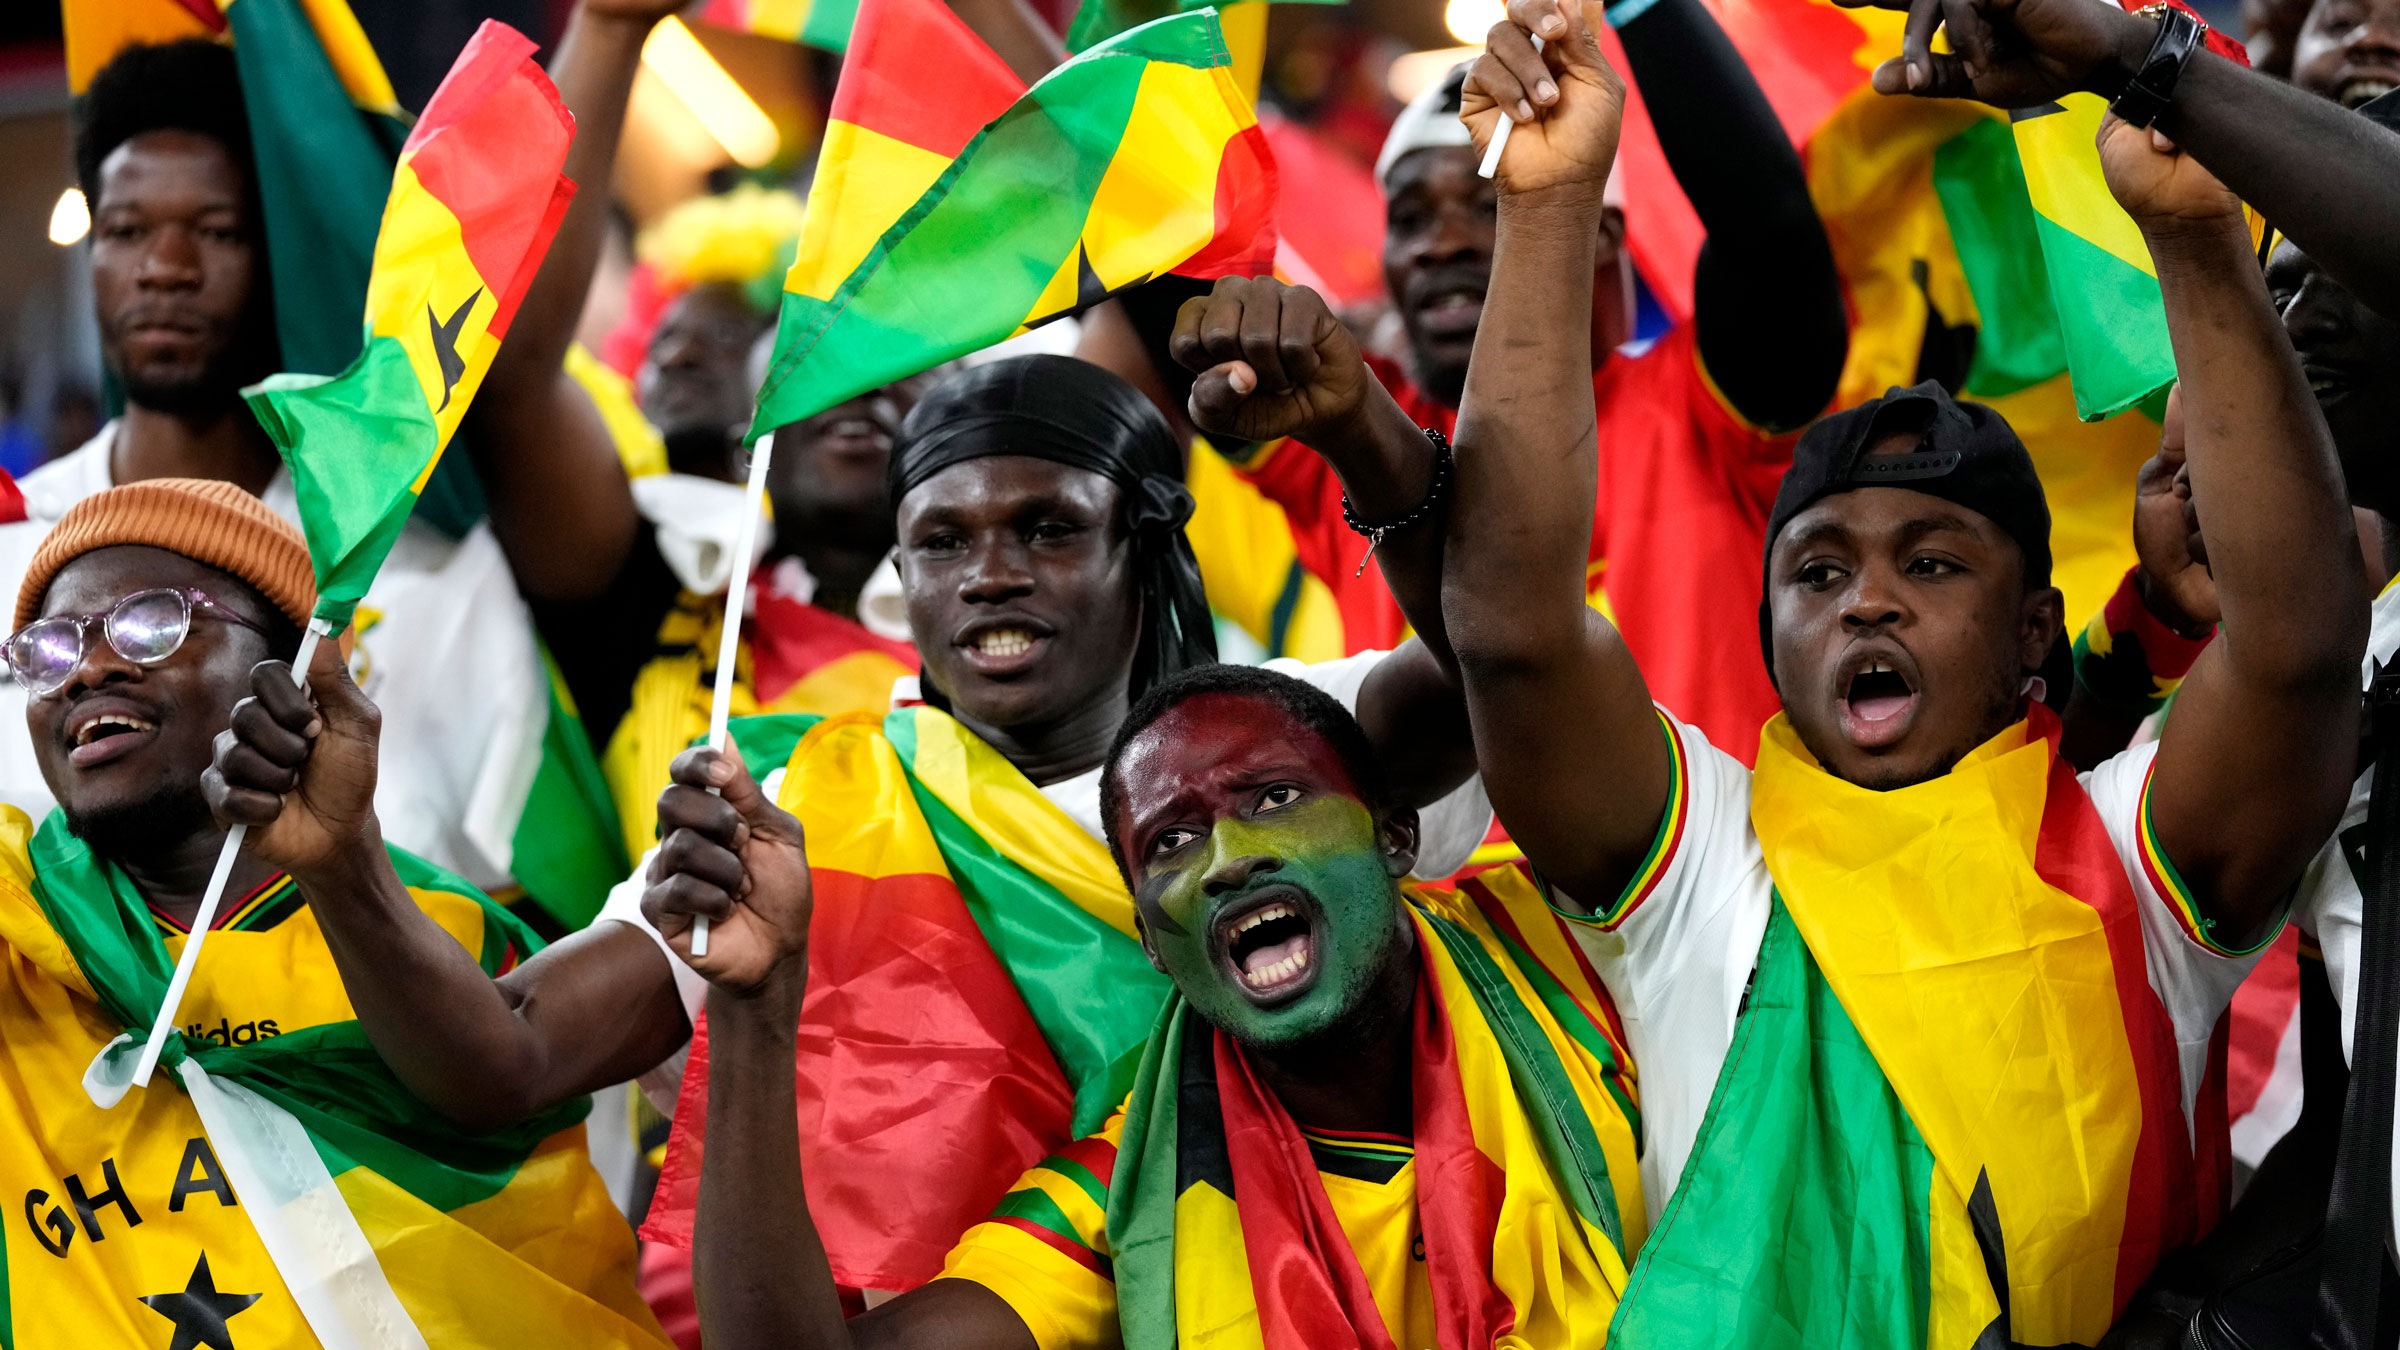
[{"x": 1074, "y": 413}]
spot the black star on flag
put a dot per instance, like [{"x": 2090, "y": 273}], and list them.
[
  {"x": 1089, "y": 289},
  {"x": 199, "y": 1311},
  {"x": 445, "y": 344}
]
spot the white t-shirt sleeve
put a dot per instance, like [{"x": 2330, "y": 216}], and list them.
[
  {"x": 2193, "y": 972},
  {"x": 1449, "y": 830},
  {"x": 1676, "y": 948},
  {"x": 624, "y": 905}
]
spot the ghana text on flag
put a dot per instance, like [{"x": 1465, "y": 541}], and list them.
[
  {"x": 1135, "y": 158},
  {"x": 473, "y": 204},
  {"x": 819, "y": 23}
]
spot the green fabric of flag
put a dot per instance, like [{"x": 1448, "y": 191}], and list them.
[
  {"x": 324, "y": 169},
  {"x": 1982, "y": 189},
  {"x": 568, "y": 850}
]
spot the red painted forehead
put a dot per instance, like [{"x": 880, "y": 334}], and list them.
[{"x": 1215, "y": 744}]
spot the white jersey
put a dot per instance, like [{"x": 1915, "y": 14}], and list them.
[
  {"x": 445, "y": 647},
  {"x": 1676, "y": 952}
]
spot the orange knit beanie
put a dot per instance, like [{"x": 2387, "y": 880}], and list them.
[{"x": 204, "y": 519}]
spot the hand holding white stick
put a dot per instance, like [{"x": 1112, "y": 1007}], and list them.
[
  {"x": 1491, "y": 153},
  {"x": 737, "y": 594}
]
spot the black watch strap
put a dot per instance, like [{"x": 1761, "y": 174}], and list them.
[{"x": 2152, "y": 88}]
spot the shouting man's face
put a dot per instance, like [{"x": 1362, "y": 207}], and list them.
[{"x": 1267, "y": 890}]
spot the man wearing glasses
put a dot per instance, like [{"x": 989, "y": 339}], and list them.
[{"x": 147, "y": 619}]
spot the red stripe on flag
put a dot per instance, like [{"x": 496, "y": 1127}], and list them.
[
  {"x": 789, "y": 639},
  {"x": 916, "y": 73},
  {"x": 1065, "y": 1246},
  {"x": 492, "y": 133},
  {"x": 1095, "y": 1154},
  {"x": 1244, "y": 243},
  {"x": 2072, "y": 853},
  {"x": 925, "y": 1087}
]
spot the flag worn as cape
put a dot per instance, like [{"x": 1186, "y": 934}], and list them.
[
  {"x": 976, "y": 995},
  {"x": 1952, "y": 1113},
  {"x": 819, "y": 23},
  {"x": 136, "y": 1214},
  {"x": 796, "y": 659},
  {"x": 325, "y": 129},
  {"x": 1135, "y": 158},
  {"x": 471, "y": 209},
  {"x": 1528, "y": 1188}
]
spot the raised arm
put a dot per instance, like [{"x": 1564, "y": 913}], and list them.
[
  {"x": 559, "y": 502},
  {"x": 1766, "y": 298},
  {"x": 759, "y": 1269},
  {"x": 597, "y": 1008},
  {"x": 2324, "y": 175},
  {"x": 2255, "y": 765},
  {"x": 1564, "y": 733},
  {"x": 1270, "y": 360}
]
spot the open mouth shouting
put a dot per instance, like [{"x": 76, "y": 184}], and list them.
[
  {"x": 97, "y": 734},
  {"x": 1270, "y": 945},
  {"x": 1879, "y": 698}
]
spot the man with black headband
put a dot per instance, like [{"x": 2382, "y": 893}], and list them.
[
  {"x": 1924, "y": 1018},
  {"x": 985, "y": 989}
]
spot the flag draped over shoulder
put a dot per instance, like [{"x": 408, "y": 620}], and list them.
[
  {"x": 1524, "y": 1131},
  {"x": 1135, "y": 158},
  {"x": 471, "y": 209},
  {"x": 976, "y": 995},
  {"x": 1952, "y": 1115},
  {"x": 490, "y": 1238}
]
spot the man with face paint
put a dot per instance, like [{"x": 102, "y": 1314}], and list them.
[
  {"x": 1358, "y": 1122},
  {"x": 1913, "y": 922}
]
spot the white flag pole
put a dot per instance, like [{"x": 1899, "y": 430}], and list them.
[
  {"x": 737, "y": 596},
  {"x": 1491, "y": 153},
  {"x": 172, "y": 1004}
]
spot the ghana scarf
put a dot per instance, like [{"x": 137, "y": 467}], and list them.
[
  {"x": 1528, "y": 1190},
  {"x": 976, "y": 995},
  {"x": 1952, "y": 1114},
  {"x": 389, "y": 1226}
]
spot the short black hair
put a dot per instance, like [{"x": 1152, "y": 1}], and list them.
[
  {"x": 192, "y": 85},
  {"x": 1308, "y": 705}
]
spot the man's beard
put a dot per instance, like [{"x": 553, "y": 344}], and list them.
[
  {"x": 215, "y": 388},
  {"x": 142, "y": 826}
]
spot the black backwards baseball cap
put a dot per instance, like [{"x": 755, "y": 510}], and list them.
[{"x": 1965, "y": 454}]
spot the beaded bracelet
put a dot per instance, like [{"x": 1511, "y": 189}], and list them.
[{"x": 1436, "y": 494}]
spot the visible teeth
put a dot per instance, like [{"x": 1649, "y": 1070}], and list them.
[
  {"x": 83, "y": 734},
  {"x": 2362, "y": 90},
  {"x": 1280, "y": 971},
  {"x": 1004, "y": 642},
  {"x": 1879, "y": 668},
  {"x": 1276, "y": 911}
]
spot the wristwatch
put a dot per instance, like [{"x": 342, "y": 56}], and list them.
[{"x": 2152, "y": 87}]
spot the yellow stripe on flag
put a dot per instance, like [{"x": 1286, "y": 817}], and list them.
[
  {"x": 851, "y": 795},
  {"x": 879, "y": 178},
  {"x": 1245, "y": 26},
  {"x": 778, "y": 18},
  {"x": 2062, "y": 175},
  {"x": 1020, "y": 824},
  {"x": 421, "y": 253},
  {"x": 96, "y": 30},
  {"x": 1183, "y": 118}
]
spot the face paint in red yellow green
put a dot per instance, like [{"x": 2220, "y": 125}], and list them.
[{"x": 1266, "y": 890}]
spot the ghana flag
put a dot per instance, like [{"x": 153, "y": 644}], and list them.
[
  {"x": 1953, "y": 1112},
  {"x": 819, "y": 23},
  {"x": 280, "y": 1186},
  {"x": 1135, "y": 158},
  {"x": 976, "y": 995},
  {"x": 472, "y": 206}
]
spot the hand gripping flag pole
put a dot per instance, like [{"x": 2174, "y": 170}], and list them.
[
  {"x": 1491, "y": 154},
  {"x": 737, "y": 593},
  {"x": 475, "y": 199}
]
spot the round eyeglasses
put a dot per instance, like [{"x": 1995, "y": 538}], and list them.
[{"x": 145, "y": 628}]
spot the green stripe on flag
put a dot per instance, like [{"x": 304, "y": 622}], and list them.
[
  {"x": 2113, "y": 320},
  {"x": 1981, "y": 184},
  {"x": 829, "y": 23},
  {"x": 1088, "y": 986},
  {"x": 568, "y": 848},
  {"x": 1803, "y": 1217},
  {"x": 324, "y": 171},
  {"x": 964, "y": 266},
  {"x": 1551, "y": 1103},
  {"x": 1576, "y": 1020}
]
